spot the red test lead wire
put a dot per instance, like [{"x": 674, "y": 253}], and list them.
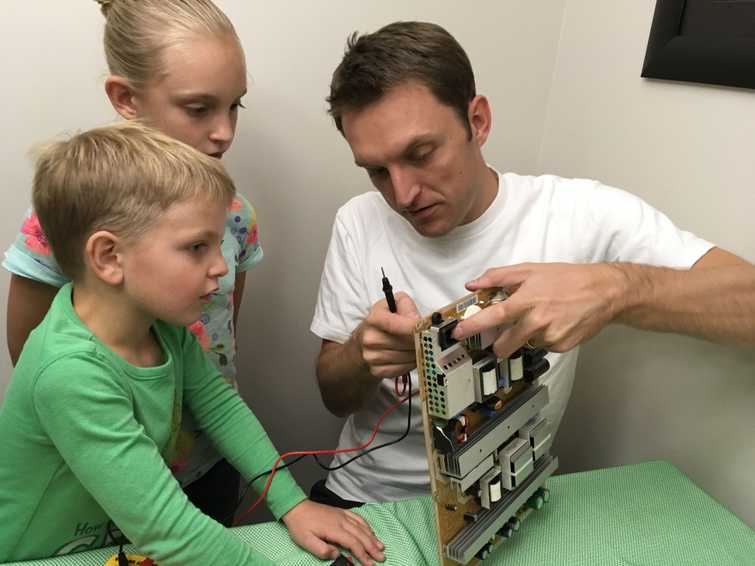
[
  {"x": 285, "y": 455},
  {"x": 404, "y": 384}
]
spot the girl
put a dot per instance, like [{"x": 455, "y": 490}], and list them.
[{"x": 179, "y": 66}]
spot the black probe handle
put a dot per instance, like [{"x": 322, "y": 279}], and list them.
[
  {"x": 390, "y": 299},
  {"x": 388, "y": 292}
]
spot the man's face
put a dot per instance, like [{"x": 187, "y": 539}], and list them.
[
  {"x": 418, "y": 154},
  {"x": 171, "y": 271}
]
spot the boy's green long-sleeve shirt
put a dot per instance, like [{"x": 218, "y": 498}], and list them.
[{"x": 84, "y": 437}]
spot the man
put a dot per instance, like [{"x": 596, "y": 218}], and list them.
[{"x": 581, "y": 254}]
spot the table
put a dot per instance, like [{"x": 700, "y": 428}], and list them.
[{"x": 647, "y": 514}]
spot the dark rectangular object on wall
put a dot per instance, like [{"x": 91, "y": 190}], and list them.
[{"x": 704, "y": 41}]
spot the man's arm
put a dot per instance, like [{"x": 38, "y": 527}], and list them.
[
  {"x": 559, "y": 306},
  {"x": 381, "y": 347},
  {"x": 346, "y": 383},
  {"x": 715, "y": 299}
]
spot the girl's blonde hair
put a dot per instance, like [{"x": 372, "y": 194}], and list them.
[
  {"x": 137, "y": 32},
  {"x": 119, "y": 178}
]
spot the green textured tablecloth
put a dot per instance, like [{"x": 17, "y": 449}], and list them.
[{"x": 642, "y": 515}]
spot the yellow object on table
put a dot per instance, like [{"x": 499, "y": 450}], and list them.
[{"x": 133, "y": 560}]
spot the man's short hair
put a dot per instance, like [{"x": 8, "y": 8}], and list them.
[
  {"x": 118, "y": 178},
  {"x": 399, "y": 52}
]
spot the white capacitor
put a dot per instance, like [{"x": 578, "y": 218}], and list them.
[
  {"x": 489, "y": 382},
  {"x": 494, "y": 488},
  {"x": 516, "y": 368}
]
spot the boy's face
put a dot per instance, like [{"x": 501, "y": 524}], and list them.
[
  {"x": 171, "y": 271},
  {"x": 418, "y": 154}
]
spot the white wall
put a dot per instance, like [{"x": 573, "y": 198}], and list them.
[
  {"x": 53, "y": 69},
  {"x": 288, "y": 157},
  {"x": 687, "y": 149}
]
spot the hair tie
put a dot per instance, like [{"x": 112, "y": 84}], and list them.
[{"x": 104, "y": 6}]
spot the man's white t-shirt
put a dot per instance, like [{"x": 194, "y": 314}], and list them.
[{"x": 532, "y": 219}]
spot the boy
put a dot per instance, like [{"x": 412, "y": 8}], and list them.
[{"x": 135, "y": 220}]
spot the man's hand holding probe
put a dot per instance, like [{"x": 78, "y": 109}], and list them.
[
  {"x": 381, "y": 347},
  {"x": 386, "y": 339}
]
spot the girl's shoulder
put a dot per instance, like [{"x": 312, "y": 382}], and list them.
[
  {"x": 241, "y": 205},
  {"x": 241, "y": 225},
  {"x": 30, "y": 255}
]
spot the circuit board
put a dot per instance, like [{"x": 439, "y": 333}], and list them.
[{"x": 487, "y": 444}]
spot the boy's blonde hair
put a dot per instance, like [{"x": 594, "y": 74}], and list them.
[
  {"x": 138, "y": 31},
  {"x": 118, "y": 178}
]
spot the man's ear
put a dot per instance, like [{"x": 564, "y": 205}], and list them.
[
  {"x": 122, "y": 96},
  {"x": 480, "y": 119},
  {"x": 103, "y": 257}
]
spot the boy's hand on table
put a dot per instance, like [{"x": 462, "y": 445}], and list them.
[{"x": 317, "y": 528}]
